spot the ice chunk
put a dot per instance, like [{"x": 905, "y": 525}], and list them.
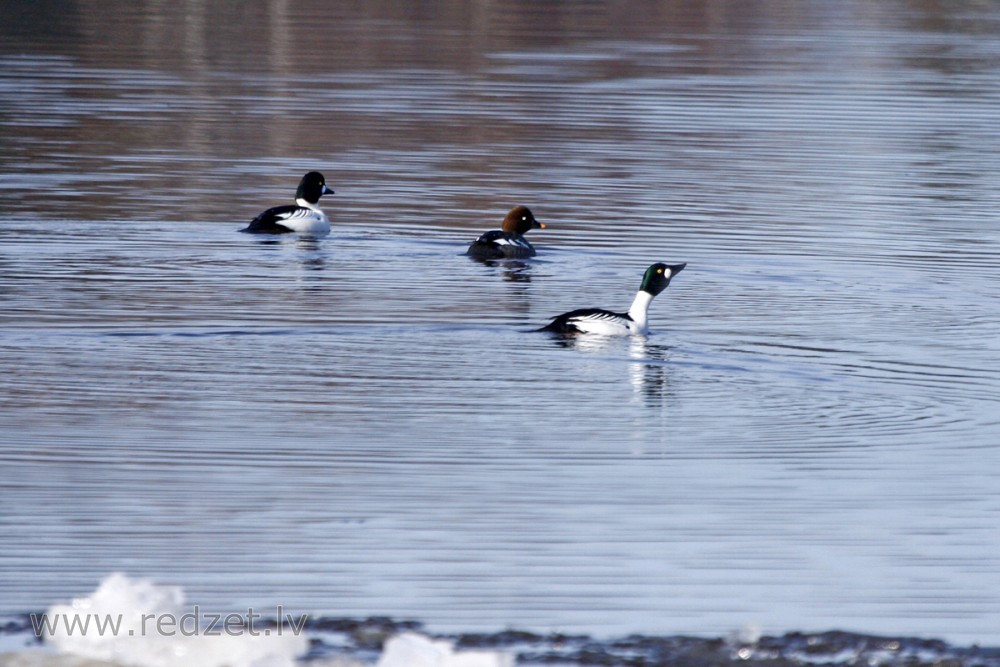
[
  {"x": 410, "y": 649},
  {"x": 123, "y": 621}
]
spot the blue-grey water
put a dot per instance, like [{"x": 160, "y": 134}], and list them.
[{"x": 364, "y": 424}]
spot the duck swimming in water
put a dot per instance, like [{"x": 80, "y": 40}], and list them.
[
  {"x": 508, "y": 242},
  {"x": 302, "y": 217},
  {"x": 609, "y": 323}
]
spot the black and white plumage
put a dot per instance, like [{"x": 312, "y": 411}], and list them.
[
  {"x": 508, "y": 242},
  {"x": 302, "y": 217},
  {"x": 608, "y": 323}
]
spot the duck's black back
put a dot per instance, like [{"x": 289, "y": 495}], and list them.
[
  {"x": 498, "y": 244},
  {"x": 269, "y": 222}
]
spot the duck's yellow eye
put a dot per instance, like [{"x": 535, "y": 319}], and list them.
[{"x": 659, "y": 270}]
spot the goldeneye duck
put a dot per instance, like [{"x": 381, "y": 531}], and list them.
[
  {"x": 302, "y": 217},
  {"x": 607, "y": 323},
  {"x": 508, "y": 242}
]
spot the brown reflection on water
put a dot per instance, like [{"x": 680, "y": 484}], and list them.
[{"x": 213, "y": 110}]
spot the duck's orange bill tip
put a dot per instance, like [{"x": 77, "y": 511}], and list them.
[{"x": 542, "y": 225}]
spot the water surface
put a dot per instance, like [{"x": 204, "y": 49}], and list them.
[{"x": 364, "y": 424}]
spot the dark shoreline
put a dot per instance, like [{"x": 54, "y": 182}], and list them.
[{"x": 362, "y": 639}]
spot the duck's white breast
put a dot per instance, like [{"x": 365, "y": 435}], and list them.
[{"x": 306, "y": 221}]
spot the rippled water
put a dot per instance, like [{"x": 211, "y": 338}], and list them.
[{"x": 364, "y": 424}]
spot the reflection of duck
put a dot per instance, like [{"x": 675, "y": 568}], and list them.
[
  {"x": 608, "y": 323},
  {"x": 508, "y": 242},
  {"x": 647, "y": 364},
  {"x": 648, "y": 370},
  {"x": 517, "y": 272},
  {"x": 312, "y": 257},
  {"x": 512, "y": 270},
  {"x": 305, "y": 251},
  {"x": 303, "y": 217}
]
